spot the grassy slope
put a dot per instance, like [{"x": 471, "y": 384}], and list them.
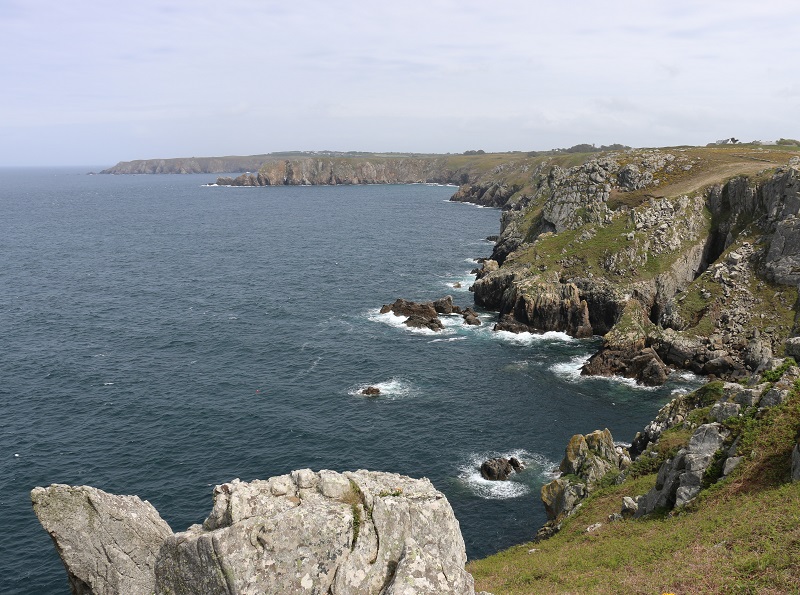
[{"x": 742, "y": 535}]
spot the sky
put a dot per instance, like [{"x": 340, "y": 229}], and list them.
[{"x": 97, "y": 82}]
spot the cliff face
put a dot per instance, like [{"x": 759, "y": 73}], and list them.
[
  {"x": 353, "y": 533},
  {"x": 190, "y": 165},
  {"x": 675, "y": 267},
  {"x": 330, "y": 171}
]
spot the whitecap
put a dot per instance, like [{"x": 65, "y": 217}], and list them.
[
  {"x": 108, "y": 384},
  {"x": 447, "y": 340},
  {"x": 571, "y": 370},
  {"x": 396, "y": 321},
  {"x": 537, "y": 466},
  {"x": 392, "y": 388},
  {"x": 531, "y": 338}
]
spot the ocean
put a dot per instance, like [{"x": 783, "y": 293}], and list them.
[{"x": 159, "y": 336}]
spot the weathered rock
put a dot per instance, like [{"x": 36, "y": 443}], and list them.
[
  {"x": 589, "y": 458},
  {"x": 107, "y": 543},
  {"x": 472, "y": 320},
  {"x": 497, "y": 469},
  {"x": 362, "y": 532},
  {"x": 371, "y": 391},
  {"x": 508, "y": 324},
  {"x": 643, "y": 365},
  {"x": 415, "y": 321},
  {"x": 561, "y": 497},
  {"x": 679, "y": 479},
  {"x": 403, "y": 307},
  {"x": 722, "y": 410},
  {"x": 625, "y": 351},
  {"x": 792, "y": 347},
  {"x": 340, "y": 534},
  {"x": 445, "y": 305},
  {"x": 516, "y": 464},
  {"x": 629, "y": 507}
]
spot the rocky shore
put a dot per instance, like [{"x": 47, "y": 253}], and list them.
[{"x": 695, "y": 441}]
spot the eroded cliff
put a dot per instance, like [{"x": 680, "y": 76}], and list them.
[{"x": 680, "y": 258}]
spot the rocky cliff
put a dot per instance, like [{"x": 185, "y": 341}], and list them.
[
  {"x": 680, "y": 259},
  {"x": 329, "y": 533},
  {"x": 324, "y": 168}
]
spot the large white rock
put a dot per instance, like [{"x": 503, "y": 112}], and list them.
[
  {"x": 312, "y": 533},
  {"x": 108, "y": 543}
]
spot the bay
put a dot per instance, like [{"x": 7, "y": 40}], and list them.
[{"x": 159, "y": 336}]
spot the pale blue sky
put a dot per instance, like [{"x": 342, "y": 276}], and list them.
[{"x": 93, "y": 83}]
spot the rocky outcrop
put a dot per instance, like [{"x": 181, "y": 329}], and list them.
[
  {"x": 625, "y": 351},
  {"x": 108, "y": 544},
  {"x": 426, "y": 314},
  {"x": 684, "y": 264},
  {"x": 681, "y": 477},
  {"x": 418, "y": 315},
  {"x": 315, "y": 171},
  {"x": 713, "y": 451},
  {"x": 586, "y": 461},
  {"x": 326, "y": 532},
  {"x": 500, "y": 468},
  {"x": 487, "y": 194}
]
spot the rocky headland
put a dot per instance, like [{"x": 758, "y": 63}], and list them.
[{"x": 678, "y": 258}]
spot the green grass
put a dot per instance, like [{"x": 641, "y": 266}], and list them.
[{"x": 742, "y": 535}]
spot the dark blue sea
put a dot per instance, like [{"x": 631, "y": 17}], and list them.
[{"x": 159, "y": 336}]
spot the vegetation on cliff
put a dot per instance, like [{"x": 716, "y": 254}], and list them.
[{"x": 738, "y": 535}]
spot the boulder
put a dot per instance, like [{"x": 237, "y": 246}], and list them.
[
  {"x": 363, "y": 532},
  {"x": 561, "y": 497},
  {"x": 371, "y": 391},
  {"x": 415, "y": 321},
  {"x": 588, "y": 458},
  {"x": 445, "y": 305},
  {"x": 108, "y": 543},
  {"x": 403, "y": 307},
  {"x": 497, "y": 469},
  {"x": 629, "y": 507},
  {"x": 680, "y": 478},
  {"x": 509, "y": 324},
  {"x": 792, "y": 347}
]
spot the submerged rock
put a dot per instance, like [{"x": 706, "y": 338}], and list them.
[{"x": 363, "y": 532}]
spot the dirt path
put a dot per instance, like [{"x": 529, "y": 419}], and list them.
[{"x": 717, "y": 173}]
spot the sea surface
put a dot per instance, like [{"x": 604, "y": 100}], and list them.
[{"x": 159, "y": 336}]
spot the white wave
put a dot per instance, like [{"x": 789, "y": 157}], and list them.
[
  {"x": 571, "y": 370},
  {"x": 448, "y": 340},
  {"x": 392, "y": 319},
  {"x": 392, "y": 388},
  {"x": 531, "y": 338},
  {"x": 536, "y": 466},
  {"x": 687, "y": 376},
  {"x": 108, "y": 384}
]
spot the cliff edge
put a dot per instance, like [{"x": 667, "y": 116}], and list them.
[{"x": 333, "y": 533}]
